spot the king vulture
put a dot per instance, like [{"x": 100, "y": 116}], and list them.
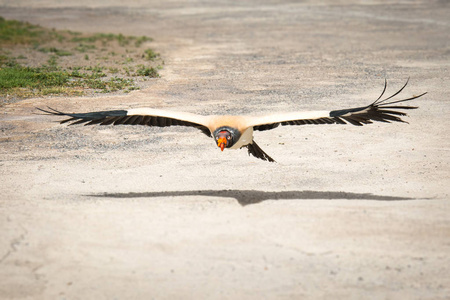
[{"x": 234, "y": 132}]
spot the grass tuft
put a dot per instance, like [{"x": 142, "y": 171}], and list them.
[{"x": 36, "y": 61}]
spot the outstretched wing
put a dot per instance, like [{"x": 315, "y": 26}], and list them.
[
  {"x": 379, "y": 110},
  {"x": 138, "y": 116}
]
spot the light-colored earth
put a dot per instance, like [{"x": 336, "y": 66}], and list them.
[{"x": 144, "y": 213}]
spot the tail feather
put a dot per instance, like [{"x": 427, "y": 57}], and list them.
[{"x": 257, "y": 152}]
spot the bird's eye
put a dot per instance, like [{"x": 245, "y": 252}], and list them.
[
  {"x": 217, "y": 138},
  {"x": 228, "y": 137}
]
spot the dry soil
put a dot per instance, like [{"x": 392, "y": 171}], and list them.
[{"x": 144, "y": 213}]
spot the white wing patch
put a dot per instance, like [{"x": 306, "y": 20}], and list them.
[{"x": 183, "y": 116}]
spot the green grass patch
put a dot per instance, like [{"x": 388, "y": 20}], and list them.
[
  {"x": 149, "y": 54},
  {"x": 146, "y": 71},
  {"x": 56, "y": 51},
  {"x": 34, "y": 78},
  {"x": 37, "y": 61},
  {"x": 140, "y": 40},
  {"x": 16, "y": 32},
  {"x": 84, "y": 47}
]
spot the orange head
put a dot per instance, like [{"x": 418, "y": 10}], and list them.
[{"x": 223, "y": 139}]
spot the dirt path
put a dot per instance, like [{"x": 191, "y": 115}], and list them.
[{"x": 142, "y": 213}]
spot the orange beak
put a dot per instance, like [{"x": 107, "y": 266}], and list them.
[{"x": 222, "y": 143}]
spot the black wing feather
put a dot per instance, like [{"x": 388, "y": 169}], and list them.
[
  {"x": 379, "y": 110},
  {"x": 120, "y": 117}
]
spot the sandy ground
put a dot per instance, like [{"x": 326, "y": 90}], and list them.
[{"x": 142, "y": 213}]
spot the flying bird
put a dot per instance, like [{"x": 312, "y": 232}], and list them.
[{"x": 235, "y": 132}]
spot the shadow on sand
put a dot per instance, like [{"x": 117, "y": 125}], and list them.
[{"x": 246, "y": 197}]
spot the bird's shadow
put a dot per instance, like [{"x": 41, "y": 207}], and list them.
[{"x": 246, "y": 197}]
